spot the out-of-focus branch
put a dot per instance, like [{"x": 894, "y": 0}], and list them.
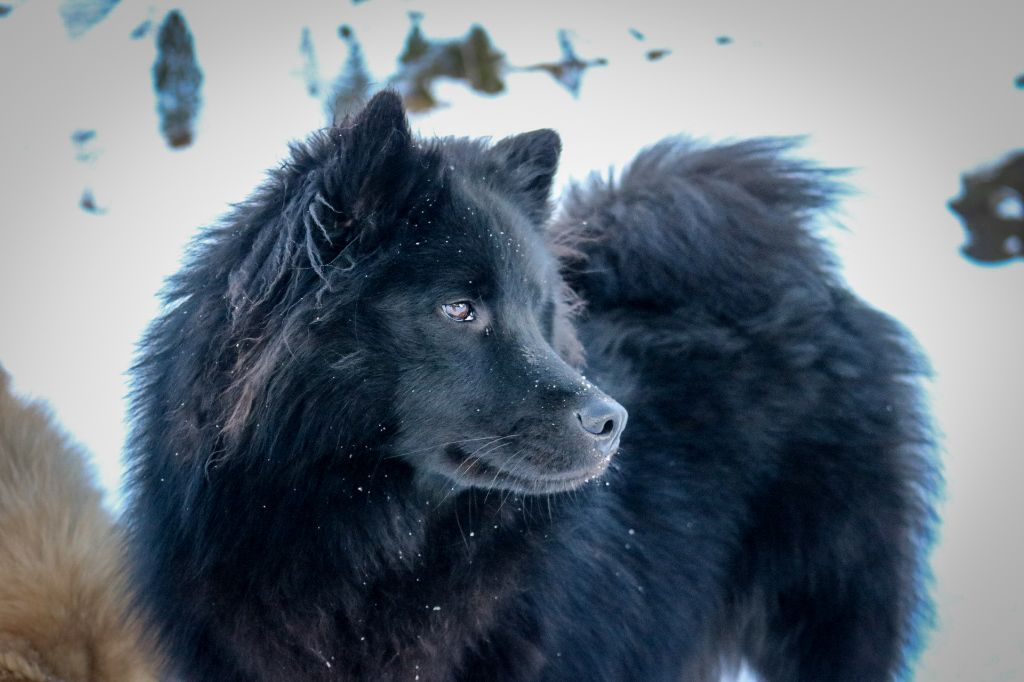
[
  {"x": 472, "y": 59},
  {"x": 177, "y": 79},
  {"x": 991, "y": 206}
]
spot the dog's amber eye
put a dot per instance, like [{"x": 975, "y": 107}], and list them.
[{"x": 460, "y": 311}]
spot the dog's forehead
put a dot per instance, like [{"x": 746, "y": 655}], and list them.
[{"x": 495, "y": 233}]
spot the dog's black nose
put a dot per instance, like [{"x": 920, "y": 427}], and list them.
[{"x": 603, "y": 419}]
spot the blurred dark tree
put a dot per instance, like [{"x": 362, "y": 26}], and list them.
[
  {"x": 353, "y": 87},
  {"x": 88, "y": 204},
  {"x": 142, "y": 30},
  {"x": 177, "y": 79},
  {"x": 651, "y": 55},
  {"x": 416, "y": 44},
  {"x": 569, "y": 70},
  {"x": 472, "y": 58},
  {"x": 310, "y": 70},
  {"x": 81, "y": 136},
  {"x": 81, "y": 15},
  {"x": 82, "y": 139},
  {"x": 991, "y": 206}
]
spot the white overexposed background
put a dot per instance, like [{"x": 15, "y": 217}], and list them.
[{"x": 910, "y": 94}]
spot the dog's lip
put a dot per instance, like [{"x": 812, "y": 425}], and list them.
[
  {"x": 488, "y": 474},
  {"x": 574, "y": 475}
]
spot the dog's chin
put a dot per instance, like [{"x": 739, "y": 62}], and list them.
[{"x": 466, "y": 472}]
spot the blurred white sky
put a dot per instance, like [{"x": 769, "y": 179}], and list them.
[{"x": 909, "y": 93}]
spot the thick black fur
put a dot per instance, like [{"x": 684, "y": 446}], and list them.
[{"x": 332, "y": 480}]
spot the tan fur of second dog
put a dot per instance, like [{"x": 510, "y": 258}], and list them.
[{"x": 63, "y": 595}]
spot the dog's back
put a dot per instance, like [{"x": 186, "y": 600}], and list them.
[
  {"x": 64, "y": 612},
  {"x": 775, "y": 414}
]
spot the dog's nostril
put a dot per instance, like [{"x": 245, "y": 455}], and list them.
[{"x": 602, "y": 418}]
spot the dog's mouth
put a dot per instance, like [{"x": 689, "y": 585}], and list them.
[{"x": 473, "y": 471}]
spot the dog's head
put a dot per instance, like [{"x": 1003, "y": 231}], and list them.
[{"x": 407, "y": 288}]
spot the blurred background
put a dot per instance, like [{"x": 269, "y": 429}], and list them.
[{"x": 128, "y": 125}]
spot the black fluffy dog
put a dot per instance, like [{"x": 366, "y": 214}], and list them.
[{"x": 363, "y": 449}]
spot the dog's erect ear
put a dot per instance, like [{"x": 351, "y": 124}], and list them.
[
  {"x": 530, "y": 161},
  {"x": 382, "y": 123},
  {"x": 379, "y": 148},
  {"x": 363, "y": 175}
]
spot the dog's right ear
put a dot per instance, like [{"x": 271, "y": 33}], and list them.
[
  {"x": 377, "y": 153},
  {"x": 357, "y": 180}
]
